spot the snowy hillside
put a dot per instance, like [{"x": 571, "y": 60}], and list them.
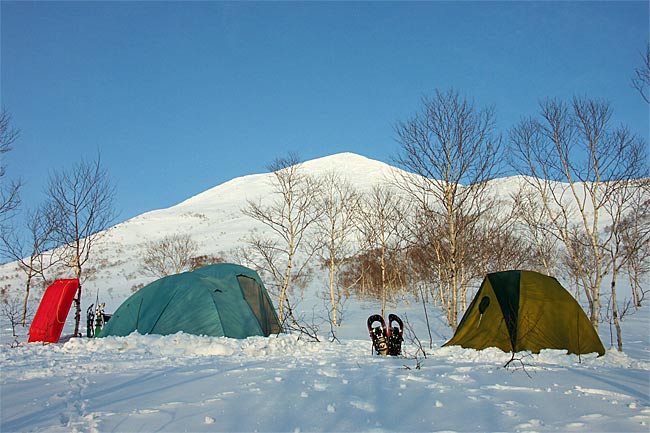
[
  {"x": 203, "y": 384},
  {"x": 213, "y": 218}
]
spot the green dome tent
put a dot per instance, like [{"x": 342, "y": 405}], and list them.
[
  {"x": 525, "y": 310},
  {"x": 221, "y": 300}
]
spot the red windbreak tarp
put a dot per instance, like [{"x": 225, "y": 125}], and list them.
[{"x": 51, "y": 314}]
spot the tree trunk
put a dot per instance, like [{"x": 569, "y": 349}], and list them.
[
  {"x": 29, "y": 283},
  {"x": 617, "y": 325},
  {"x": 332, "y": 294},
  {"x": 383, "y": 282},
  {"x": 453, "y": 316},
  {"x": 77, "y": 300}
]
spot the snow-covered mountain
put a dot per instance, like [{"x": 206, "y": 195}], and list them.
[{"x": 213, "y": 218}]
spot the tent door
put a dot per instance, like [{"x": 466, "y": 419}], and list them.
[{"x": 259, "y": 304}]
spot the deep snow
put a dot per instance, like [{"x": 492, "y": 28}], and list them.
[
  {"x": 287, "y": 383},
  {"x": 190, "y": 383}
]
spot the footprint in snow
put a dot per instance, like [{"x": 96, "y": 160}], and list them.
[
  {"x": 363, "y": 405},
  {"x": 592, "y": 416},
  {"x": 533, "y": 423},
  {"x": 327, "y": 373}
]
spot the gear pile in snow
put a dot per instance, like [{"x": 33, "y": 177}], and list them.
[{"x": 96, "y": 318}]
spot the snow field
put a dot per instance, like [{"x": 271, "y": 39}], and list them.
[{"x": 190, "y": 383}]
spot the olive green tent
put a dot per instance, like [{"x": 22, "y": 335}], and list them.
[
  {"x": 217, "y": 300},
  {"x": 525, "y": 310}
]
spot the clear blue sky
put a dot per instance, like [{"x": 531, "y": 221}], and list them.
[{"x": 179, "y": 97}]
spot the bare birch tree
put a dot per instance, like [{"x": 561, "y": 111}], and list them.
[
  {"x": 574, "y": 160},
  {"x": 497, "y": 244},
  {"x": 340, "y": 202},
  {"x": 10, "y": 309},
  {"x": 629, "y": 235},
  {"x": 80, "y": 200},
  {"x": 292, "y": 212},
  {"x": 452, "y": 148},
  {"x": 172, "y": 254},
  {"x": 536, "y": 229},
  {"x": 615, "y": 252},
  {"x": 380, "y": 221},
  {"x": 9, "y": 198},
  {"x": 34, "y": 254},
  {"x": 636, "y": 240}
]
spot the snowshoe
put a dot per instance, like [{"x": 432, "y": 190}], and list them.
[
  {"x": 378, "y": 334},
  {"x": 396, "y": 335},
  {"x": 99, "y": 318},
  {"x": 90, "y": 321}
]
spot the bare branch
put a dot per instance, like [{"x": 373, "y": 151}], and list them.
[
  {"x": 172, "y": 254},
  {"x": 291, "y": 214},
  {"x": 9, "y": 199},
  {"x": 80, "y": 201},
  {"x": 451, "y": 152},
  {"x": 641, "y": 78},
  {"x": 582, "y": 169}
]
